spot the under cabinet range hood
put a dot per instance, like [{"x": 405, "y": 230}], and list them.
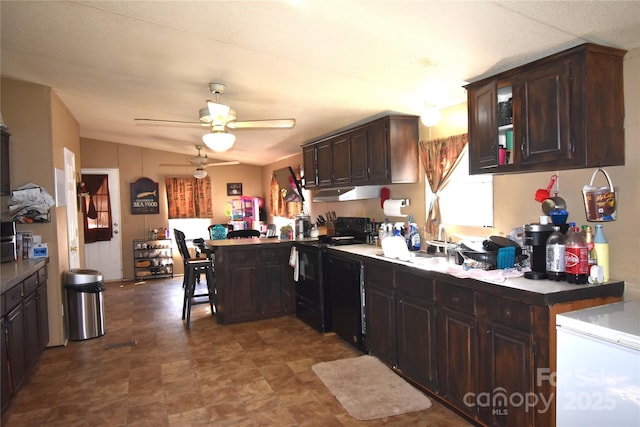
[{"x": 344, "y": 194}]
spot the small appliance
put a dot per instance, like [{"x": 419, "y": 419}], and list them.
[
  {"x": 8, "y": 242},
  {"x": 303, "y": 226},
  {"x": 535, "y": 240}
]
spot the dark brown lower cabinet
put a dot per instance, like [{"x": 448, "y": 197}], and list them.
[
  {"x": 25, "y": 331},
  {"x": 253, "y": 282},
  {"x": 487, "y": 350}
]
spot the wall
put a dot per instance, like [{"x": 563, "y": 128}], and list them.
[
  {"x": 136, "y": 162},
  {"x": 40, "y": 126}
]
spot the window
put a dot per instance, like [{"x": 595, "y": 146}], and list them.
[
  {"x": 96, "y": 208},
  {"x": 189, "y": 197}
]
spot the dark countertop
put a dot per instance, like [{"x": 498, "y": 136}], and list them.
[
  {"x": 497, "y": 282},
  {"x": 253, "y": 241},
  {"x": 12, "y": 273}
]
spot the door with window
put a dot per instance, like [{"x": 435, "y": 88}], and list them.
[{"x": 103, "y": 242}]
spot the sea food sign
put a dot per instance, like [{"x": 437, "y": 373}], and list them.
[{"x": 144, "y": 197}]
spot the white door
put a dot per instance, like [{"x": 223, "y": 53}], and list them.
[
  {"x": 72, "y": 208},
  {"x": 106, "y": 257}
]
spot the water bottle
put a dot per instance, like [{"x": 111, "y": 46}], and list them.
[
  {"x": 602, "y": 249},
  {"x": 576, "y": 256},
  {"x": 555, "y": 258}
]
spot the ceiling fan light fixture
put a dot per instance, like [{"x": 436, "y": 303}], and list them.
[
  {"x": 199, "y": 173},
  {"x": 430, "y": 115},
  {"x": 219, "y": 141}
]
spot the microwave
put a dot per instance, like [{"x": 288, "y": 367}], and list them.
[{"x": 8, "y": 242}]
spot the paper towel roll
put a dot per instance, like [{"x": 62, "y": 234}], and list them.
[{"x": 393, "y": 207}]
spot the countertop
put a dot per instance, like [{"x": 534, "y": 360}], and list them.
[
  {"x": 254, "y": 241},
  {"x": 500, "y": 281},
  {"x": 12, "y": 273}
]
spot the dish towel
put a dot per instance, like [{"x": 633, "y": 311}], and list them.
[{"x": 294, "y": 262}]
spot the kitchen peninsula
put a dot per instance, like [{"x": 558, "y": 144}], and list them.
[{"x": 253, "y": 279}]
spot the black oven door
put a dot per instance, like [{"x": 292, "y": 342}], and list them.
[{"x": 310, "y": 295}]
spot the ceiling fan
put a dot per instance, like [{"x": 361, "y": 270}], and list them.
[
  {"x": 220, "y": 117},
  {"x": 201, "y": 162}
]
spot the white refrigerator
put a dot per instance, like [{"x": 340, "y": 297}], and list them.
[{"x": 598, "y": 366}]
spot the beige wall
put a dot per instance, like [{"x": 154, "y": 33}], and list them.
[
  {"x": 136, "y": 162},
  {"x": 40, "y": 126}
]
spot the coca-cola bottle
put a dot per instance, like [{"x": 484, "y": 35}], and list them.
[
  {"x": 576, "y": 257},
  {"x": 555, "y": 258}
]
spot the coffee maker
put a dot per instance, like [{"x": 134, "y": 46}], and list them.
[
  {"x": 303, "y": 226},
  {"x": 535, "y": 240}
]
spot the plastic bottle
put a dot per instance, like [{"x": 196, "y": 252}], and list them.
[
  {"x": 555, "y": 258},
  {"x": 588, "y": 236},
  {"x": 576, "y": 258},
  {"x": 602, "y": 249},
  {"x": 570, "y": 229},
  {"x": 414, "y": 238}
]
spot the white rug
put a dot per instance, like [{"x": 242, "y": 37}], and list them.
[{"x": 368, "y": 389}]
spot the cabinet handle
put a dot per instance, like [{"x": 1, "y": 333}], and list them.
[
  {"x": 507, "y": 313},
  {"x": 455, "y": 300},
  {"x": 524, "y": 141},
  {"x": 488, "y": 331}
]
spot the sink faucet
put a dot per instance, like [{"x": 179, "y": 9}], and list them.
[{"x": 442, "y": 236}]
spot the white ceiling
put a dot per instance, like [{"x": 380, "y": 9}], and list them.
[{"x": 326, "y": 63}]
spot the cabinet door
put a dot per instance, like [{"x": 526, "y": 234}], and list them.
[
  {"x": 381, "y": 323},
  {"x": 5, "y": 388},
  {"x": 310, "y": 165},
  {"x": 377, "y": 152},
  {"x": 325, "y": 163},
  {"x": 273, "y": 298},
  {"x": 16, "y": 346},
  {"x": 507, "y": 369},
  {"x": 341, "y": 157},
  {"x": 241, "y": 299},
  {"x": 359, "y": 156},
  {"x": 483, "y": 128},
  {"x": 31, "y": 341},
  {"x": 457, "y": 362},
  {"x": 43, "y": 317},
  {"x": 544, "y": 124},
  {"x": 417, "y": 340}
]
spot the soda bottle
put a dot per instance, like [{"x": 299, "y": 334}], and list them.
[
  {"x": 555, "y": 258},
  {"x": 602, "y": 249},
  {"x": 576, "y": 257}
]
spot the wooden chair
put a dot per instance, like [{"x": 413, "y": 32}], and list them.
[
  {"x": 242, "y": 234},
  {"x": 193, "y": 267}
]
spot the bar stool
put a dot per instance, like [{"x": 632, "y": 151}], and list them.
[{"x": 193, "y": 267}]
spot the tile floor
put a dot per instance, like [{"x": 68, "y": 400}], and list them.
[{"x": 250, "y": 374}]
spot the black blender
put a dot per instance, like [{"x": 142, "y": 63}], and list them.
[{"x": 535, "y": 240}]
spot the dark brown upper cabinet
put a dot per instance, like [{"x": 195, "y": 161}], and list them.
[
  {"x": 565, "y": 111},
  {"x": 382, "y": 151}
]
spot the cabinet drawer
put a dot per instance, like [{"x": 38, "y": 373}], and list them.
[
  {"x": 456, "y": 298},
  {"x": 278, "y": 254},
  {"x": 30, "y": 284},
  {"x": 12, "y": 298},
  {"x": 379, "y": 275},
  {"x": 509, "y": 313},
  {"x": 414, "y": 286},
  {"x": 242, "y": 257},
  {"x": 43, "y": 274}
]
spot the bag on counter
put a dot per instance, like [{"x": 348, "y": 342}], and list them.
[{"x": 600, "y": 203}]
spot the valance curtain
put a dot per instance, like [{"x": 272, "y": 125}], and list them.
[
  {"x": 189, "y": 197},
  {"x": 96, "y": 209},
  {"x": 280, "y": 207},
  {"x": 439, "y": 158}
]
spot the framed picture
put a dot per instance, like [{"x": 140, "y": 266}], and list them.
[
  {"x": 234, "y": 189},
  {"x": 144, "y": 197}
]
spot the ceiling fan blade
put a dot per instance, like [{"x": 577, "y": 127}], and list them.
[
  {"x": 221, "y": 164},
  {"x": 176, "y": 164},
  {"x": 172, "y": 122},
  {"x": 257, "y": 124}
]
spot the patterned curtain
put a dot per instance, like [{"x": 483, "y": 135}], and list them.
[
  {"x": 439, "y": 158},
  {"x": 189, "y": 197},
  {"x": 279, "y": 207}
]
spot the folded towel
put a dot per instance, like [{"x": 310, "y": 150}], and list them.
[{"x": 294, "y": 262}]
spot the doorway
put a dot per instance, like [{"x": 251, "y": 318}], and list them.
[{"x": 106, "y": 256}]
